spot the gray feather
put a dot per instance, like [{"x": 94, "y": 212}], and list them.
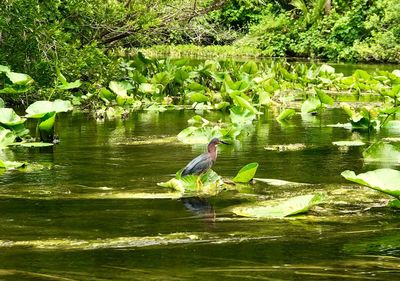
[{"x": 198, "y": 165}]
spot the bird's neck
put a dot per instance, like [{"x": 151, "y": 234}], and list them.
[{"x": 212, "y": 149}]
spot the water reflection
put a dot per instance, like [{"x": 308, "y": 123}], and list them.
[{"x": 202, "y": 208}]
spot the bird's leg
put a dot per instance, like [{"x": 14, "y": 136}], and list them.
[{"x": 199, "y": 183}]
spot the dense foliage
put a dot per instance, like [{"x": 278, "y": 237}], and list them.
[{"x": 357, "y": 30}]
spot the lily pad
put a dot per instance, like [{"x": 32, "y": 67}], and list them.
[
  {"x": 246, "y": 173},
  {"x": 8, "y": 165},
  {"x": 279, "y": 208},
  {"x": 348, "y": 143},
  {"x": 276, "y": 182},
  {"x": 384, "y": 180}
]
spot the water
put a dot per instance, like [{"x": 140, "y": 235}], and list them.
[{"x": 81, "y": 217}]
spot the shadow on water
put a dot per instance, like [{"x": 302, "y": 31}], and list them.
[{"x": 89, "y": 212}]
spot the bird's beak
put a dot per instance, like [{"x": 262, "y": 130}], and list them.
[{"x": 224, "y": 142}]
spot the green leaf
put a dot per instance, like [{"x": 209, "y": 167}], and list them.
[
  {"x": 19, "y": 78},
  {"x": 4, "y": 68},
  {"x": 33, "y": 144},
  {"x": 120, "y": 88},
  {"x": 326, "y": 69},
  {"x": 148, "y": 88},
  {"x": 246, "y": 173},
  {"x": 382, "y": 152},
  {"x": 286, "y": 114},
  {"x": 181, "y": 76},
  {"x": 48, "y": 122},
  {"x": 8, "y": 165},
  {"x": 384, "y": 180},
  {"x": 106, "y": 94},
  {"x": 249, "y": 67},
  {"x": 163, "y": 78},
  {"x": 196, "y": 87},
  {"x": 239, "y": 86},
  {"x": 2, "y": 103},
  {"x": 240, "y": 101},
  {"x": 6, "y": 137},
  {"x": 240, "y": 115},
  {"x": 348, "y": 143},
  {"x": 312, "y": 104},
  {"x": 41, "y": 108},
  {"x": 324, "y": 98},
  {"x": 197, "y": 97},
  {"x": 9, "y": 117},
  {"x": 279, "y": 208}
]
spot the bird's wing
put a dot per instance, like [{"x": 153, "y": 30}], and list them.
[{"x": 198, "y": 165}]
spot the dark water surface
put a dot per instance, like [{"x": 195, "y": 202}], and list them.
[{"x": 80, "y": 218}]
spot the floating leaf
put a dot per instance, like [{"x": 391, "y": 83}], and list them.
[
  {"x": 348, "y": 143},
  {"x": 279, "y": 208},
  {"x": 286, "y": 114},
  {"x": 8, "y": 165},
  {"x": 33, "y": 144},
  {"x": 276, "y": 182},
  {"x": 246, "y": 173},
  {"x": 384, "y": 180}
]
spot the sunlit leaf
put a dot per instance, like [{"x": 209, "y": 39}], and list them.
[
  {"x": 197, "y": 97},
  {"x": 286, "y": 114},
  {"x": 240, "y": 101},
  {"x": 246, "y": 173},
  {"x": 8, "y": 165},
  {"x": 384, "y": 180},
  {"x": 249, "y": 67},
  {"x": 324, "y": 98},
  {"x": 163, "y": 78},
  {"x": 148, "y": 88},
  {"x": 326, "y": 69},
  {"x": 19, "y": 78},
  {"x": 7, "y": 137},
  {"x": 279, "y": 208},
  {"x": 348, "y": 143},
  {"x": 41, "y": 108},
  {"x": 312, "y": 104},
  {"x": 48, "y": 123},
  {"x": 120, "y": 88},
  {"x": 240, "y": 115},
  {"x": 9, "y": 117},
  {"x": 382, "y": 152},
  {"x": 277, "y": 182}
]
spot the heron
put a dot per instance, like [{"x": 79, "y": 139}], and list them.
[{"x": 203, "y": 162}]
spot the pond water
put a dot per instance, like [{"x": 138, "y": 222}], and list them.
[{"x": 84, "y": 215}]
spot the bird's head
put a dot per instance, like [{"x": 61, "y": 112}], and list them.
[{"x": 216, "y": 141}]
